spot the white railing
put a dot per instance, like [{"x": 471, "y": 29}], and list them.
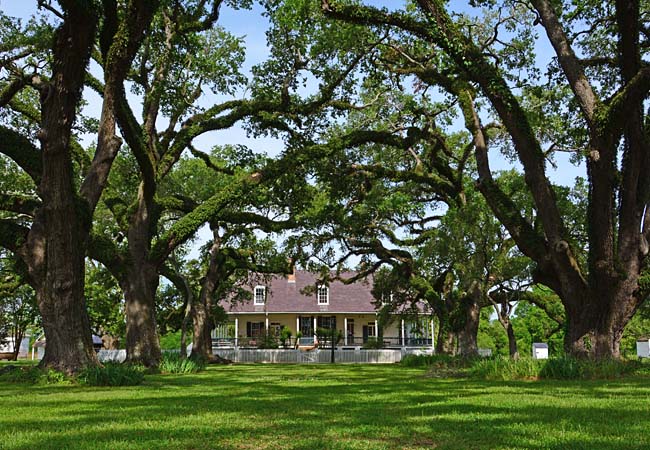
[
  {"x": 290, "y": 356},
  {"x": 314, "y": 356}
]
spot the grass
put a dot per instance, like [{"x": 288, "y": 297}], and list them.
[{"x": 327, "y": 407}]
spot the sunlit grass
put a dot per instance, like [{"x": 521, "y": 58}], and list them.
[{"x": 327, "y": 407}]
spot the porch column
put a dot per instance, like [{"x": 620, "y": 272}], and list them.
[
  {"x": 403, "y": 335},
  {"x": 315, "y": 323},
  {"x": 345, "y": 330},
  {"x": 236, "y": 331},
  {"x": 433, "y": 329},
  {"x": 297, "y": 329},
  {"x": 376, "y": 329},
  {"x": 266, "y": 324}
]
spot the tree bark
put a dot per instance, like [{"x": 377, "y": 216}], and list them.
[
  {"x": 187, "y": 316},
  {"x": 468, "y": 333},
  {"x": 202, "y": 346},
  {"x": 446, "y": 342},
  {"x": 57, "y": 260},
  {"x": 512, "y": 341},
  {"x": 142, "y": 342}
]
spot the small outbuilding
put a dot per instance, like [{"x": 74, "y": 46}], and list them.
[
  {"x": 540, "y": 350},
  {"x": 643, "y": 348}
]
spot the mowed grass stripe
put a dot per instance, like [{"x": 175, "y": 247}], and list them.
[{"x": 327, "y": 407}]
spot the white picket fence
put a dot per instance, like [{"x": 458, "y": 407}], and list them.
[
  {"x": 314, "y": 356},
  {"x": 284, "y": 356}
]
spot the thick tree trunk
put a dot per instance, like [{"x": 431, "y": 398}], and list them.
[
  {"x": 446, "y": 342},
  {"x": 512, "y": 341},
  {"x": 57, "y": 265},
  {"x": 468, "y": 334},
  {"x": 202, "y": 346},
  {"x": 597, "y": 331},
  {"x": 142, "y": 343}
]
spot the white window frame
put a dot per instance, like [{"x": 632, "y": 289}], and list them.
[
  {"x": 255, "y": 301},
  {"x": 319, "y": 297}
]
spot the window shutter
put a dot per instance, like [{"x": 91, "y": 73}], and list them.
[{"x": 248, "y": 329}]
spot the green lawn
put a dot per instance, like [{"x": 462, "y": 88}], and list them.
[{"x": 327, "y": 407}]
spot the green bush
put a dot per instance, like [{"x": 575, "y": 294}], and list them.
[
  {"x": 172, "y": 362},
  {"x": 436, "y": 361},
  {"x": 285, "y": 335},
  {"x": 373, "y": 344},
  {"x": 112, "y": 374},
  {"x": 504, "y": 368},
  {"x": 267, "y": 340},
  {"x": 33, "y": 375},
  {"x": 561, "y": 368}
]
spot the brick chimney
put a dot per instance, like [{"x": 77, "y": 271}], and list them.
[{"x": 291, "y": 278}]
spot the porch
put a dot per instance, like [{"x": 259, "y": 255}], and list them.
[{"x": 360, "y": 331}]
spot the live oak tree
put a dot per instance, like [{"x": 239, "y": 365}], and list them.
[
  {"x": 602, "y": 74},
  {"x": 50, "y": 237},
  {"x": 235, "y": 252},
  {"x": 186, "y": 56}
]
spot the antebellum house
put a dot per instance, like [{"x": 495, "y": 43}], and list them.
[{"x": 299, "y": 303}]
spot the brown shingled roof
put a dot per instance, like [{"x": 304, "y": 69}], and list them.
[{"x": 283, "y": 295}]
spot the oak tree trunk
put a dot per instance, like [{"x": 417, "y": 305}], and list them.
[
  {"x": 202, "y": 346},
  {"x": 468, "y": 333},
  {"x": 58, "y": 244},
  {"x": 142, "y": 343},
  {"x": 512, "y": 341}
]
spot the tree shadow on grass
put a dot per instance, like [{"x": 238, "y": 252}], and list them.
[{"x": 329, "y": 407}]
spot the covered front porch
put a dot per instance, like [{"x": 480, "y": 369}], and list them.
[{"x": 346, "y": 331}]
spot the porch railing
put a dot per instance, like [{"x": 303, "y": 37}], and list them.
[{"x": 352, "y": 341}]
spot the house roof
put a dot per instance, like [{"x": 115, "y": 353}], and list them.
[{"x": 285, "y": 296}]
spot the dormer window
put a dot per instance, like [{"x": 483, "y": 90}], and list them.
[
  {"x": 259, "y": 295},
  {"x": 323, "y": 295}
]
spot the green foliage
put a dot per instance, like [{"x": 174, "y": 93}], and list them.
[
  {"x": 373, "y": 344},
  {"x": 285, "y": 335},
  {"x": 33, "y": 375},
  {"x": 503, "y": 368},
  {"x": 532, "y": 324},
  {"x": 561, "y": 368},
  {"x": 172, "y": 362},
  {"x": 105, "y": 302},
  {"x": 436, "y": 362},
  {"x": 112, "y": 374},
  {"x": 170, "y": 341},
  {"x": 267, "y": 340},
  {"x": 638, "y": 328}
]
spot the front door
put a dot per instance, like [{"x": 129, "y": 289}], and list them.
[
  {"x": 365, "y": 333},
  {"x": 306, "y": 326}
]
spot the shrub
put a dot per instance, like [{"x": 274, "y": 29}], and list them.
[
  {"x": 561, "y": 368},
  {"x": 267, "y": 340},
  {"x": 435, "y": 361},
  {"x": 33, "y": 375},
  {"x": 112, "y": 374},
  {"x": 504, "y": 368},
  {"x": 172, "y": 362},
  {"x": 285, "y": 335},
  {"x": 373, "y": 344}
]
